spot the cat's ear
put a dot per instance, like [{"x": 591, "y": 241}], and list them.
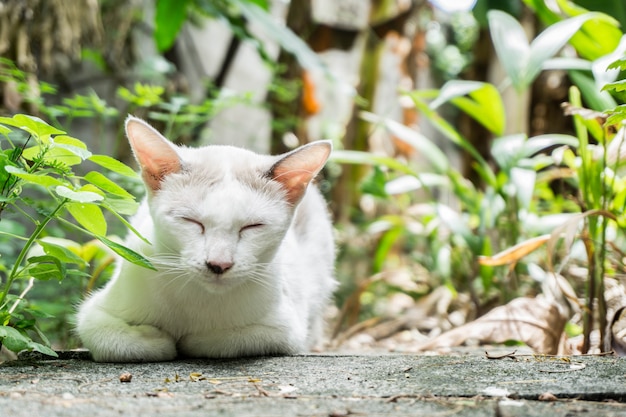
[
  {"x": 156, "y": 155},
  {"x": 296, "y": 169}
]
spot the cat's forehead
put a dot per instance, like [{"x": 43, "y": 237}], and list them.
[
  {"x": 220, "y": 162},
  {"x": 207, "y": 170}
]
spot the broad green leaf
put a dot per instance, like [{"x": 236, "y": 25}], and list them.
[
  {"x": 71, "y": 144},
  {"x": 594, "y": 98},
  {"x": 79, "y": 196},
  {"x": 61, "y": 253},
  {"x": 15, "y": 341},
  {"x": 551, "y": 40},
  {"x": 617, "y": 86},
  {"x": 619, "y": 64},
  {"x": 521, "y": 61},
  {"x": 506, "y": 150},
  {"x": 107, "y": 185},
  {"x": 484, "y": 105},
  {"x": 126, "y": 253},
  {"x": 42, "y": 179},
  {"x": 413, "y": 138},
  {"x": 4, "y": 130},
  {"x": 113, "y": 165},
  {"x": 407, "y": 183},
  {"x": 89, "y": 216},
  {"x": 367, "y": 158},
  {"x": 123, "y": 206},
  {"x": 169, "y": 18},
  {"x": 511, "y": 45},
  {"x": 45, "y": 268},
  {"x": 602, "y": 73},
  {"x": 542, "y": 142},
  {"x": 33, "y": 125}
]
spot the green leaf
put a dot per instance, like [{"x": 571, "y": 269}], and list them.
[
  {"x": 594, "y": 98},
  {"x": 124, "y": 206},
  {"x": 61, "y": 253},
  {"x": 413, "y": 138},
  {"x": 4, "y": 130},
  {"x": 367, "y": 158},
  {"x": 126, "y": 253},
  {"x": 39, "y": 179},
  {"x": 113, "y": 165},
  {"x": 107, "y": 185},
  {"x": 485, "y": 106},
  {"x": 617, "y": 86},
  {"x": 168, "y": 20},
  {"x": 521, "y": 61},
  {"x": 79, "y": 196},
  {"x": 45, "y": 268},
  {"x": 511, "y": 45},
  {"x": 89, "y": 216},
  {"x": 620, "y": 64},
  {"x": 16, "y": 342},
  {"x": 33, "y": 125}
]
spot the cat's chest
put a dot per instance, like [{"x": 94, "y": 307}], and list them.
[{"x": 194, "y": 310}]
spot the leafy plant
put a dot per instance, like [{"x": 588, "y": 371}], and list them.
[{"x": 40, "y": 187}]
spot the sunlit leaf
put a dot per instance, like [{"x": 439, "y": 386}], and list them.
[
  {"x": 107, "y": 185},
  {"x": 79, "y": 196},
  {"x": 113, "y": 165},
  {"x": 89, "y": 216},
  {"x": 484, "y": 103},
  {"x": 33, "y": 125},
  {"x": 42, "y": 179}
]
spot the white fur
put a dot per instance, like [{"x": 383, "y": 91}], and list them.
[{"x": 269, "y": 302}]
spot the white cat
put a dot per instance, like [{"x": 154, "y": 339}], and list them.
[{"x": 243, "y": 249}]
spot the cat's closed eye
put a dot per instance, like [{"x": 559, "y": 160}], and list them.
[
  {"x": 251, "y": 226},
  {"x": 196, "y": 222}
]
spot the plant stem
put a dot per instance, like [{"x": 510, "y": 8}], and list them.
[{"x": 20, "y": 258}]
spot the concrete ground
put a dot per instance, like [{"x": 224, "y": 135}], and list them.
[{"x": 317, "y": 385}]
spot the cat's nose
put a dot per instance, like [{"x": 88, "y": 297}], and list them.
[{"x": 219, "y": 267}]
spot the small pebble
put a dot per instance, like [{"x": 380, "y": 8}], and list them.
[{"x": 125, "y": 377}]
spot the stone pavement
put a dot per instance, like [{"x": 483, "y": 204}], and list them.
[{"x": 317, "y": 385}]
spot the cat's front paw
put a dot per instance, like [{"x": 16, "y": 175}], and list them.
[{"x": 141, "y": 343}]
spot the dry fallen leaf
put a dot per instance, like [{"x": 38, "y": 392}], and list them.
[
  {"x": 533, "y": 321},
  {"x": 514, "y": 253}
]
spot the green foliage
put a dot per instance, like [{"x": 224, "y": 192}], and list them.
[
  {"x": 523, "y": 61},
  {"x": 37, "y": 163}
]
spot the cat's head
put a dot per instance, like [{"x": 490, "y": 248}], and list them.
[{"x": 220, "y": 213}]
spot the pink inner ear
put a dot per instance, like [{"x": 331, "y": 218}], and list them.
[
  {"x": 156, "y": 156},
  {"x": 296, "y": 170}
]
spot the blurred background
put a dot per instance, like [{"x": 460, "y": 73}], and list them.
[{"x": 477, "y": 186}]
